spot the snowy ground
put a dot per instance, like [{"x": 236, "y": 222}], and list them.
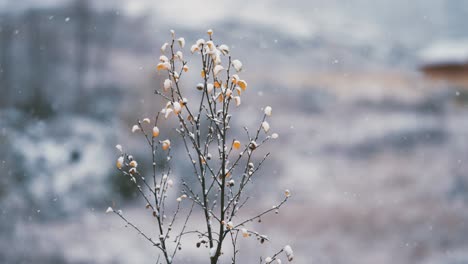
[{"x": 378, "y": 176}]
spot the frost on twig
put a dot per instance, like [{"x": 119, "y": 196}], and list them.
[{"x": 222, "y": 163}]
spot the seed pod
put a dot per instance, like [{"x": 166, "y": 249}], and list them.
[
  {"x": 242, "y": 84},
  {"x": 200, "y": 86},
  {"x": 177, "y": 108},
  {"x": 265, "y": 126},
  {"x": 217, "y": 69},
  {"x": 164, "y": 47},
  {"x": 136, "y": 128},
  {"x": 166, "y": 144},
  {"x": 120, "y": 162},
  {"x": 268, "y": 110},
  {"x": 237, "y": 99},
  {"x": 167, "y": 85},
  {"x": 155, "y": 131},
  {"x": 236, "y": 144},
  {"x": 209, "y": 87},
  {"x": 181, "y": 42},
  {"x": 133, "y": 163},
  {"x": 253, "y": 145},
  {"x": 237, "y": 64},
  {"x": 245, "y": 233},
  {"x": 224, "y": 49}
]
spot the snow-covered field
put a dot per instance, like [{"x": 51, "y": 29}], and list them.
[{"x": 378, "y": 175}]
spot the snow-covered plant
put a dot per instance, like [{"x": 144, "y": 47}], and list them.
[{"x": 223, "y": 163}]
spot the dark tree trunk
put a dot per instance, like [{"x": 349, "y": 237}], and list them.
[
  {"x": 82, "y": 48},
  {"x": 6, "y": 66}
]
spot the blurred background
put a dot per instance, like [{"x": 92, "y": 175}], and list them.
[{"x": 370, "y": 99}]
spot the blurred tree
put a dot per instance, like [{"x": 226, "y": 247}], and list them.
[
  {"x": 103, "y": 36},
  {"x": 82, "y": 39},
  {"x": 38, "y": 70},
  {"x": 6, "y": 40}
]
